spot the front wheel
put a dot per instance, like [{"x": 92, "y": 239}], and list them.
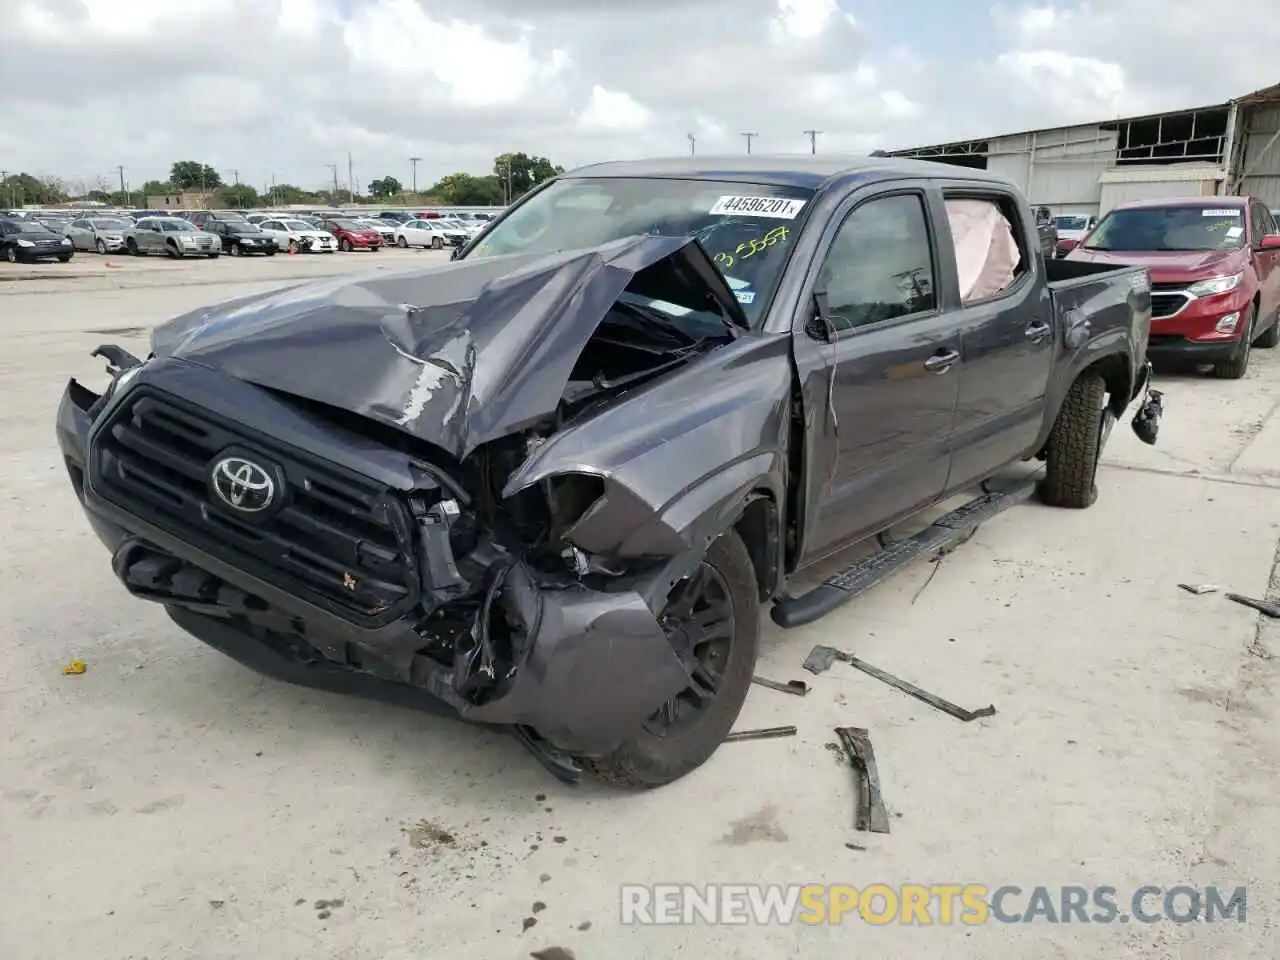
[
  {"x": 1074, "y": 446},
  {"x": 344, "y": 245},
  {"x": 712, "y": 619},
  {"x": 214, "y": 256},
  {"x": 173, "y": 252},
  {"x": 65, "y": 258},
  {"x": 1271, "y": 338},
  {"x": 132, "y": 247},
  {"x": 437, "y": 243},
  {"x": 1237, "y": 365},
  {"x": 101, "y": 247},
  {"x": 11, "y": 254},
  {"x": 234, "y": 250},
  {"x": 293, "y": 246},
  {"x": 402, "y": 243},
  {"x": 271, "y": 253}
]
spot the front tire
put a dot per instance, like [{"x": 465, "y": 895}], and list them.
[
  {"x": 65, "y": 258},
  {"x": 714, "y": 619},
  {"x": 402, "y": 243},
  {"x": 437, "y": 243},
  {"x": 101, "y": 247},
  {"x": 293, "y": 246},
  {"x": 1272, "y": 337},
  {"x": 344, "y": 245},
  {"x": 1238, "y": 364},
  {"x": 11, "y": 254},
  {"x": 1074, "y": 446},
  {"x": 132, "y": 247}
]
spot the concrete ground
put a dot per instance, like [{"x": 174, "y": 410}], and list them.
[{"x": 168, "y": 803}]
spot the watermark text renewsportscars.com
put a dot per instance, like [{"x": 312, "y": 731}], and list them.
[{"x": 968, "y": 904}]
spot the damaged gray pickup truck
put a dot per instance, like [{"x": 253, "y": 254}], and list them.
[{"x": 547, "y": 487}]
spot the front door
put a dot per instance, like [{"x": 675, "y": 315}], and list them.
[
  {"x": 881, "y": 392},
  {"x": 1266, "y": 263},
  {"x": 1005, "y": 319}
]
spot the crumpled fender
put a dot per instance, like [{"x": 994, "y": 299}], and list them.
[{"x": 679, "y": 458}]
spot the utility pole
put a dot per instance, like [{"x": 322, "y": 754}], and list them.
[
  {"x": 414, "y": 175},
  {"x": 813, "y": 139},
  {"x": 235, "y": 174},
  {"x": 120, "y": 170},
  {"x": 351, "y": 178},
  {"x": 750, "y": 137},
  {"x": 334, "y": 168},
  {"x": 693, "y": 144}
]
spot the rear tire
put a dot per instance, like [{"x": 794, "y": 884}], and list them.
[
  {"x": 1074, "y": 446},
  {"x": 1238, "y": 365},
  {"x": 661, "y": 752}
]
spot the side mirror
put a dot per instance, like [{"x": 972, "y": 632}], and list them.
[
  {"x": 1270, "y": 242},
  {"x": 818, "y": 323}
]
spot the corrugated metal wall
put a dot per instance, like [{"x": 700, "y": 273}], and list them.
[
  {"x": 1157, "y": 182},
  {"x": 1262, "y": 177},
  {"x": 1057, "y": 168}
]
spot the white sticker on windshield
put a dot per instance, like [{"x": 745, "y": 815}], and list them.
[
  {"x": 745, "y": 296},
  {"x": 1234, "y": 233},
  {"x": 779, "y": 208},
  {"x": 1212, "y": 212}
]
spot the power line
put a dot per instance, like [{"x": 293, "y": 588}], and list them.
[
  {"x": 813, "y": 139},
  {"x": 750, "y": 137}
]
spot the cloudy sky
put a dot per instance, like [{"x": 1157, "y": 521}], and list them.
[{"x": 286, "y": 87}]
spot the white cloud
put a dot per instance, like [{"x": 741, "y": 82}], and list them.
[
  {"x": 286, "y": 87},
  {"x": 613, "y": 110}
]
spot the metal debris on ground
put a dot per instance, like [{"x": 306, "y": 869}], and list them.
[
  {"x": 870, "y": 814},
  {"x": 797, "y": 687},
  {"x": 1199, "y": 588},
  {"x": 74, "y": 668},
  {"x": 765, "y": 733},
  {"x": 820, "y": 659},
  {"x": 1265, "y": 607}
]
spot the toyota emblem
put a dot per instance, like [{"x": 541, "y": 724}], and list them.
[{"x": 243, "y": 485}]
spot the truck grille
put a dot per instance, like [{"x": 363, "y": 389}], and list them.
[{"x": 333, "y": 542}]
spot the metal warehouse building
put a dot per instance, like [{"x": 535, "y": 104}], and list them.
[{"x": 1229, "y": 148}]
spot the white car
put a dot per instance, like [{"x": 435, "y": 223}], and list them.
[
  {"x": 421, "y": 233},
  {"x": 471, "y": 227},
  {"x": 258, "y": 217},
  {"x": 298, "y": 236},
  {"x": 386, "y": 228}
]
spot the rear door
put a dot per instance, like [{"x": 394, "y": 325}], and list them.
[
  {"x": 1005, "y": 319},
  {"x": 881, "y": 391}
]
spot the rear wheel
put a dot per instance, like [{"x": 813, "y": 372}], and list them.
[
  {"x": 712, "y": 619},
  {"x": 1238, "y": 364},
  {"x": 1074, "y": 446}
]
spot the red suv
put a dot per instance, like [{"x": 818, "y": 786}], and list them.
[
  {"x": 1215, "y": 274},
  {"x": 353, "y": 236}
]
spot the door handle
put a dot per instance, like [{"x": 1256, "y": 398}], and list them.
[
  {"x": 941, "y": 362},
  {"x": 1038, "y": 331}
]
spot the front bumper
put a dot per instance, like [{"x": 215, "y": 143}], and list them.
[
  {"x": 32, "y": 254},
  {"x": 584, "y": 668},
  {"x": 1163, "y": 347},
  {"x": 111, "y": 243},
  {"x": 255, "y": 245}
]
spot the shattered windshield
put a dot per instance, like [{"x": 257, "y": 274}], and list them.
[
  {"x": 1175, "y": 228},
  {"x": 748, "y": 229}
]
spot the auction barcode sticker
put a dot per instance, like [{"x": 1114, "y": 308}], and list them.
[
  {"x": 1215, "y": 212},
  {"x": 780, "y": 208}
]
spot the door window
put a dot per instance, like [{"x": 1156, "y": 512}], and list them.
[
  {"x": 880, "y": 265},
  {"x": 1262, "y": 223},
  {"x": 989, "y": 259}
]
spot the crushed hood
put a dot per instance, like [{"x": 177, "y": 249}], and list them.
[{"x": 457, "y": 354}]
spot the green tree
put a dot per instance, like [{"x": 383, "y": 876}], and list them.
[
  {"x": 385, "y": 189},
  {"x": 284, "y": 193},
  {"x": 98, "y": 196},
  {"x": 19, "y": 189},
  {"x": 464, "y": 189},
  {"x": 157, "y": 188},
  {"x": 519, "y": 173},
  {"x": 240, "y": 195},
  {"x": 191, "y": 175}
]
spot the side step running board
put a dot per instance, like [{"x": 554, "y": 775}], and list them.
[{"x": 946, "y": 531}]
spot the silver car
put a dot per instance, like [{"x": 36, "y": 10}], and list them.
[
  {"x": 104, "y": 234},
  {"x": 172, "y": 236}
]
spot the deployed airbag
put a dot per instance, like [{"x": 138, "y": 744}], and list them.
[{"x": 987, "y": 255}]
